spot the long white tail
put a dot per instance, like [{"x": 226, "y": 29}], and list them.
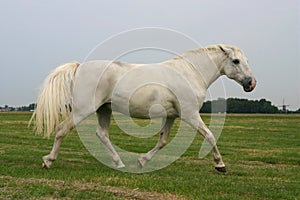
[{"x": 53, "y": 103}]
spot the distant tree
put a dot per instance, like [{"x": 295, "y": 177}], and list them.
[
  {"x": 206, "y": 108},
  {"x": 219, "y": 106},
  {"x": 297, "y": 111},
  {"x": 31, "y": 106}
]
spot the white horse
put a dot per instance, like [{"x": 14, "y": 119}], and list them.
[{"x": 93, "y": 87}]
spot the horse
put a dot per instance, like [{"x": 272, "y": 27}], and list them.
[{"x": 102, "y": 86}]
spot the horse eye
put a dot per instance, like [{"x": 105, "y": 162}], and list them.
[{"x": 236, "y": 61}]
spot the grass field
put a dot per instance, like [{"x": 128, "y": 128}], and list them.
[{"x": 262, "y": 154}]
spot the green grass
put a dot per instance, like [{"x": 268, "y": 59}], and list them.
[{"x": 262, "y": 154}]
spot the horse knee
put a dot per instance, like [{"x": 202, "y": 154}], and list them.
[
  {"x": 99, "y": 135},
  {"x": 63, "y": 129},
  {"x": 102, "y": 135},
  {"x": 61, "y": 133},
  {"x": 162, "y": 143},
  {"x": 211, "y": 139}
]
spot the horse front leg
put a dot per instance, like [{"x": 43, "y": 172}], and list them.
[
  {"x": 196, "y": 122},
  {"x": 104, "y": 115},
  {"x": 162, "y": 141},
  {"x": 103, "y": 136},
  {"x": 62, "y": 130}
]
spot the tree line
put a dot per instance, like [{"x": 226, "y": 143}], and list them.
[
  {"x": 8, "y": 108},
  {"x": 236, "y": 105},
  {"x": 221, "y": 105}
]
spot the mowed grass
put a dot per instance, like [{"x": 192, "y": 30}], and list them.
[{"x": 261, "y": 152}]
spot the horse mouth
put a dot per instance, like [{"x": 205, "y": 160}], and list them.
[{"x": 248, "y": 89}]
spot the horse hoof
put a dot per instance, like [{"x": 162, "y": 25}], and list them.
[
  {"x": 44, "y": 166},
  {"x": 121, "y": 166},
  {"x": 141, "y": 162},
  {"x": 221, "y": 169}
]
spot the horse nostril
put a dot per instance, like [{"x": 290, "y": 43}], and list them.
[
  {"x": 247, "y": 82},
  {"x": 250, "y": 82}
]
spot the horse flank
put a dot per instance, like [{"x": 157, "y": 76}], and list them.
[{"x": 53, "y": 103}]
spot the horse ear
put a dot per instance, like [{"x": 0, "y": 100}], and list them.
[{"x": 227, "y": 51}]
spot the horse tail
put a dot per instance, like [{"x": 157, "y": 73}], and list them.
[{"x": 54, "y": 101}]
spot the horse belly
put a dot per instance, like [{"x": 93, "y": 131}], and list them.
[{"x": 146, "y": 102}]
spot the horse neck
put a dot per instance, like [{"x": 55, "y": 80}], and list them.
[{"x": 204, "y": 63}]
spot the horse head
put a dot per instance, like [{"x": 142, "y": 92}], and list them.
[{"x": 235, "y": 66}]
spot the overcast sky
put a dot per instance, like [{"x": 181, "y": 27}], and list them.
[{"x": 37, "y": 36}]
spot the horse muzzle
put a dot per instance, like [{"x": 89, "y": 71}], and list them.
[{"x": 249, "y": 84}]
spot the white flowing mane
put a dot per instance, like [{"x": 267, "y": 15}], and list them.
[{"x": 204, "y": 51}]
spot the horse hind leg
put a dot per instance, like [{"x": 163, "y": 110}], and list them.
[
  {"x": 162, "y": 141},
  {"x": 104, "y": 115},
  {"x": 62, "y": 130}
]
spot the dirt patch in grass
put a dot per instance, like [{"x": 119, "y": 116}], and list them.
[
  {"x": 13, "y": 122},
  {"x": 260, "y": 153},
  {"x": 126, "y": 193},
  {"x": 129, "y": 193},
  {"x": 195, "y": 160}
]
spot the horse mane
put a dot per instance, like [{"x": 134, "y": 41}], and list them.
[{"x": 204, "y": 51}]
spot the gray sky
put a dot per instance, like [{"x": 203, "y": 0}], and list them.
[{"x": 37, "y": 36}]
